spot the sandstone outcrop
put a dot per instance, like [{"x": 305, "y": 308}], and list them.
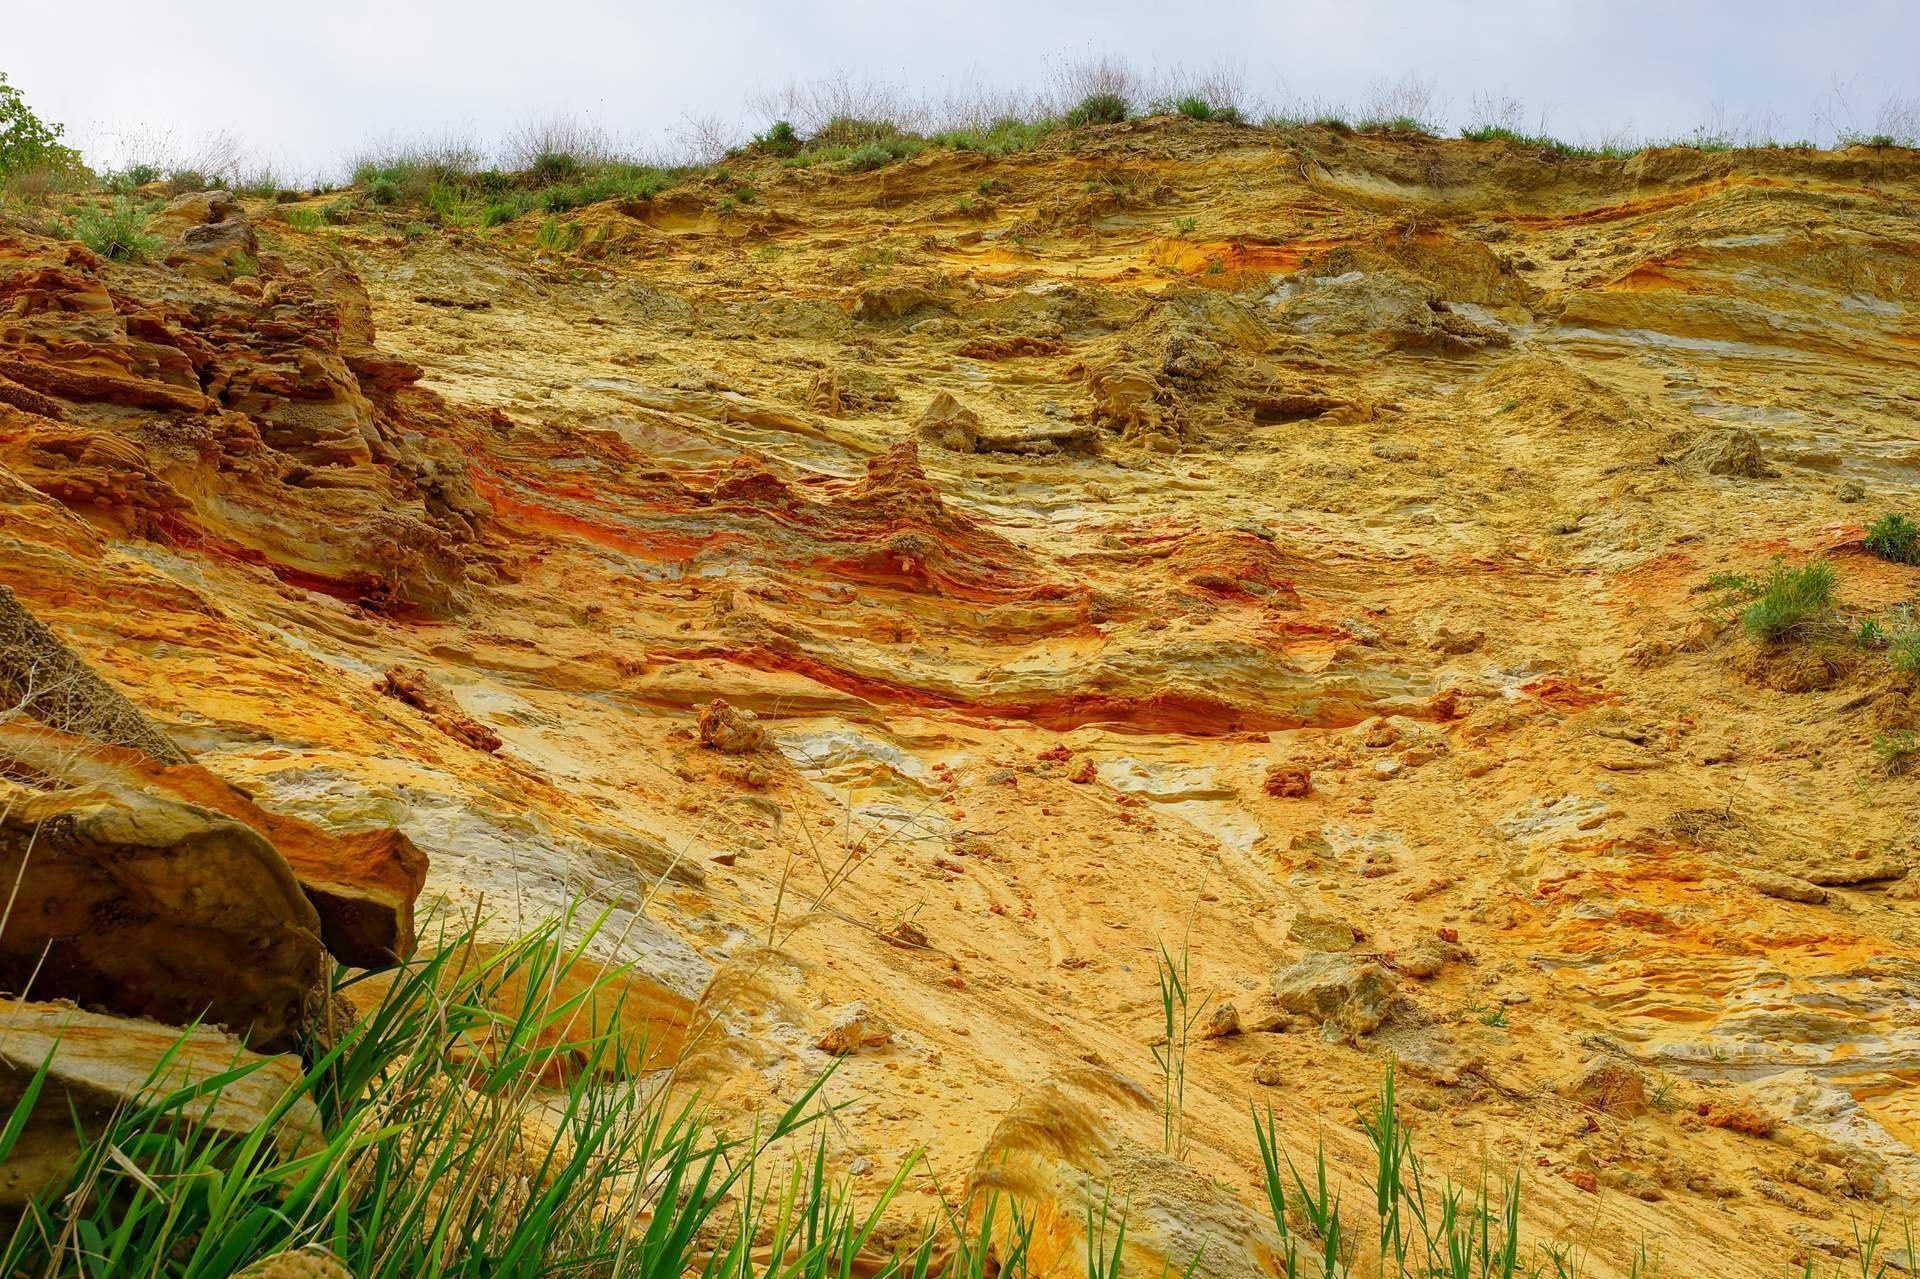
[
  {"x": 98, "y": 1066},
  {"x": 150, "y": 907}
]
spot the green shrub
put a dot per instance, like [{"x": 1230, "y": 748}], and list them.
[
  {"x": 1005, "y": 136},
  {"x": 339, "y": 211},
  {"x": 1500, "y": 133},
  {"x": 779, "y": 140},
  {"x": 1894, "y": 537},
  {"x": 132, "y": 177},
  {"x": 1904, "y": 650},
  {"x": 1400, "y": 124},
  {"x": 183, "y": 181},
  {"x": 1195, "y": 108},
  {"x": 1099, "y": 108},
  {"x": 303, "y": 219},
  {"x": 1791, "y": 599},
  {"x": 609, "y": 182},
  {"x": 851, "y": 131},
  {"x": 557, "y": 236},
  {"x": 117, "y": 232},
  {"x": 501, "y": 212},
  {"x": 383, "y": 191},
  {"x": 870, "y": 156},
  {"x": 553, "y": 166},
  {"x": 1896, "y": 751},
  {"x": 26, "y": 141}
]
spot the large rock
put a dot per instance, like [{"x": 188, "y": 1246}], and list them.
[
  {"x": 1352, "y": 995},
  {"x": 212, "y": 238},
  {"x": 143, "y": 905},
  {"x": 98, "y": 1064},
  {"x": 950, "y": 424},
  {"x": 1397, "y": 307},
  {"x": 363, "y": 885}
]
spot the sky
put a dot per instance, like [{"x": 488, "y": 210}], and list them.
[{"x": 303, "y": 86}]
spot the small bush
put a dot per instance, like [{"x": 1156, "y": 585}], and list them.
[
  {"x": 184, "y": 181},
  {"x": 1894, "y": 537},
  {"x": 871, "y": 156},
  {"x": 340, "y": 211},
  {"x": 383, "y": 192},
  {"x": 1005, "y": 136},
  {"x": 850, "y": 131},
  {"x": 1904, "y": 650},
  {"x": 1099, "y": 108},
  {"x": 1195, "y": 108},
  {"x": 117, "y": 232},
  {"x": 501, "y": 212},
  {"x": 553, "y": 166},
  {"x": 303, "y": 219},
  {"x": 1896, "y": 751},
  {"x": 558, "y": 237},
  {"x": 131, "y": 178},
  {"x": 1791, "y": 599},
  {"x": 779, "y": 140},
  {"x": 1405, "y": 125}
]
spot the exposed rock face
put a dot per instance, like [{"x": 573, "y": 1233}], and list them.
[
  {"x": 949, "y": 424},
  {"x": 414, "y": 687},
  {"x": 1610, "y": 1085},
  {"x": 213, "y": 240},
  {"x": 854, "y": 1029},
  {"x": 730, "y": 731},
  {"x": 1407, "y": 537},
  {"x": 271, "y": 415},
  {"x": 1083, "y": 1138},
  {"x": 305, "y": 1263}
]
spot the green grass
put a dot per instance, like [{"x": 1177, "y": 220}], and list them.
[
  {"x": 1894, "y": 537},
  {"x": 608, "y": 182},
  {"x": 117, "y": 232},
  {"x": 1099, "y": 108},
  {"x": 1402, "y": 125},
  {"x": 1788, "y": 601},
  {"x": 1540, "y": 141},
  {"x": 1896, "y": 751},
  {"x": 1904, "y": 650},
  {"x": 427, "y": 1169},
  {"x": 1178, "y": 1016},
  {"x": 780, "y": 140},
  {"x": 1002, "y": 137}
]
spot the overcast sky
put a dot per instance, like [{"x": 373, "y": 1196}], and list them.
[{"x": 304, "y": 84}]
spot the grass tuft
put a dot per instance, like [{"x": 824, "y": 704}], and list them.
[
  {"x": 117, "y": 232},
  {"x": 1894, "y": 537},
  {"x": 1790, "y": 600},
  {"x": 479, "y": 1123}
]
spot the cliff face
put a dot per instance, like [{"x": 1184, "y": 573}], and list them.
[{"x": 941, "y": 588}]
